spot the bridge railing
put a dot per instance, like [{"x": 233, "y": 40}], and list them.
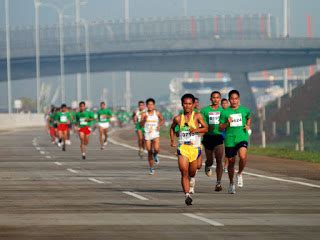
[{"x": 217, "y": 27}]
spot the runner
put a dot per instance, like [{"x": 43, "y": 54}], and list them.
[
  {"x": 50, "y": 124},
  {"x": 94, "y": 123},
  {"x": 189, "y": 148},
  {"x": 151, "y": 121},
  {"x": 197, "y": 107},
  {"x": 64, "y": 118},
  {"x": 70, "y": 126},
  {"x": 83, "y": 118},
  {"x": 225, "y": 105},
  {"x": 236, "y": 120},
  {"x": 104, "y": 116},
  {"x": 213, "y": 139},
  {"x": 139, "y": 130}
]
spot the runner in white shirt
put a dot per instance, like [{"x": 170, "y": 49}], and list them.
[
  {"x": 139, "y": 130},
  {"x": 152, "y": 120}
]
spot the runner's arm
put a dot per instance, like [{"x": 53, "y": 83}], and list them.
[
  {"x": 204, "y": 126},
  {"x": 143, "y": 119},
  {"x": 161, "y": 119},
  {"x": 172, "y": 133}
]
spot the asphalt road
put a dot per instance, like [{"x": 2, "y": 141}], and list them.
[{"x": 49, "y": 194}]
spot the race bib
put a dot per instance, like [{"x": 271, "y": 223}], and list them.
[
  {"x": 214, "y": 117},
  {"x": 103, "y": 118},
  {"x": 63, "y": 119},
  {"x": 236, "y": 120},
  {"x": 83, "y": 122},
  {"x": 150, "y": 127},
  {"x": 185, "y": 137}
]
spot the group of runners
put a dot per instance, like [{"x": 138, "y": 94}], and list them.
[
  {"x": 221, "y": 129},
  {"x": 61, "y": 121}
]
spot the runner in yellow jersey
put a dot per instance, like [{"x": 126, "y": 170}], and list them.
[{"x": 191, "y": 125}]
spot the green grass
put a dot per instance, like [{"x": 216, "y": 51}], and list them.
[{"x": 313, "y": 157}]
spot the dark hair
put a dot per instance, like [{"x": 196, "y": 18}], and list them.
[
  {"x": 215, "y": 92},
  {"x": 196, "y": 99},
  {"x": 224, "y": 100},
  {"x": 102, "y": 102},
  {"x": 150, "y": 100},
  {"x": 188, "y": 95},
  {"x": 140, "y": 102},
  {"x": 82, "y": 103},
  {"x": 233, "y": 92},
  {"x": 63, "y": 105}
]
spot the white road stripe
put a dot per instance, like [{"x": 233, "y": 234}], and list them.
[
  {"x": 246, "y": 173},
  {"x": 136, "y": 195},
  {"x": 38, "y": 148},
  {"x": 58, "y": 163},
  {"x": 72, "y": 170},
  {"x": 42, "y": 152},
  {"x": 95, "y": 180},
  {"x": 48, "y": 157},
  {"x": 282, "y": 180},
  {"x": 203, "y": 219}
]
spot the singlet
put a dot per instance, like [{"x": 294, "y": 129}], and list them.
[
  {"x": 185, "y": 137},
  {"x": 152, "y": 122}
]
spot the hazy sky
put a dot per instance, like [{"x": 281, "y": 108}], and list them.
[{"x": 22, "y": 13}]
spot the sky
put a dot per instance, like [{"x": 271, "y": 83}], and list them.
[{"x": 22, "y": 14}]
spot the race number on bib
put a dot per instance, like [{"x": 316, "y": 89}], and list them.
[
  {"x": 184, "y": 136},
  {"x": 103, "y": 118},
  {"x": 236, "y": 120},
  {"x": 214, "y": 117},
  {"x": 83, "y": 122},
  {"x": 63, "y": 119}
]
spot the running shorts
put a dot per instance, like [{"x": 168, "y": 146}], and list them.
[
  {"x": 104, "y": 125},
  {"x": 190, "y": 152},
  {"x": 232, "y": 151},
  {"x": 62, "y": 127},
  {"x": 86, "y": 130},
  {"x": 211, "y": 141}
]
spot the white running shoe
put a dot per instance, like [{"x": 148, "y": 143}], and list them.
[
  {"x": 151, "y": 171},
  {"x": 208, "y": 171},
  {"x": 105, "y": 143},
  {"x": 68, "y": 142},
  {"x": 232, "y": 189},
  {"x": 225, "y": 170},
  {"x": 239, "y": 180},
  {"x": 192, "y": 185},
  {"x": 59, "y": 144}
]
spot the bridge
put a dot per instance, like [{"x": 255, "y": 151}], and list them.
[{"x": 235, "y": 44}]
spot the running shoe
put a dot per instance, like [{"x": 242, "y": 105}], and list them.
[
  {"x": 232, "y": 189},
  {"x": 188, "y": 200},
  {"x": 68, "y": 142},
  {"x": 105, "y": 143},
  {"x": 225, "y": 170},
  {"x": 192, "y": 185},
  {"x": 208, "y": 171},
  {"x": 102, "y": 147},
  {"x": 218, "y": 187},
  {"x": 83, "y": 157},
  {"x": 156, "y": 159},
  {"x": 59, "y": 144},
  {"x": 140, "y": 153},
  {"x": 64, "y": 147},
  {"x": 239, "y": 180},
  {"x": 151, "y": 171}
]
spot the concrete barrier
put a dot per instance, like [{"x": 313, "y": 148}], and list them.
[{"x": 13, "y": 121}]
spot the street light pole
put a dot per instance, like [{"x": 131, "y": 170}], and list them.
[
  {"x": 37, "y": 38},
  {"x": 61, "y": 37},
  {"x": 88, "y": 67},
  {"x": 128, "y": 75},
  {"x": 8, "y": 46}
]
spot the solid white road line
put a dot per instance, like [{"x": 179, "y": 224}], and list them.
[
  {"x": 136, "y": 195},
  {"x": 72, "y": 170},
  {"x": 246, "y": 173},
  {"x": 95, "y": 180},
  {"x": 48, "y": 157},
  {"x": 203, "y": 219},
  {"x": 58, "y": 163}
]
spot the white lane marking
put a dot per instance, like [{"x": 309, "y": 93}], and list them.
[
  {"x": 38, "y": 148},
  {"x": 246, "y": 173},
  {"x": 72, "y": 170},
  {"x": 282, "y": 180},
  {"x": 136, "y": 195},
  {"x": 203, "y": 219},
  {"x": 48, "y": 157},
  {"x": 95, "y": 180},
  {"x": 42, "y": 152},
  {"x": 58, "y": 163}
]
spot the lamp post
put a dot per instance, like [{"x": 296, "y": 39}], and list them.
[
  {"x": 60, "y": 12},
  {"x": 8, "y": 46}
]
